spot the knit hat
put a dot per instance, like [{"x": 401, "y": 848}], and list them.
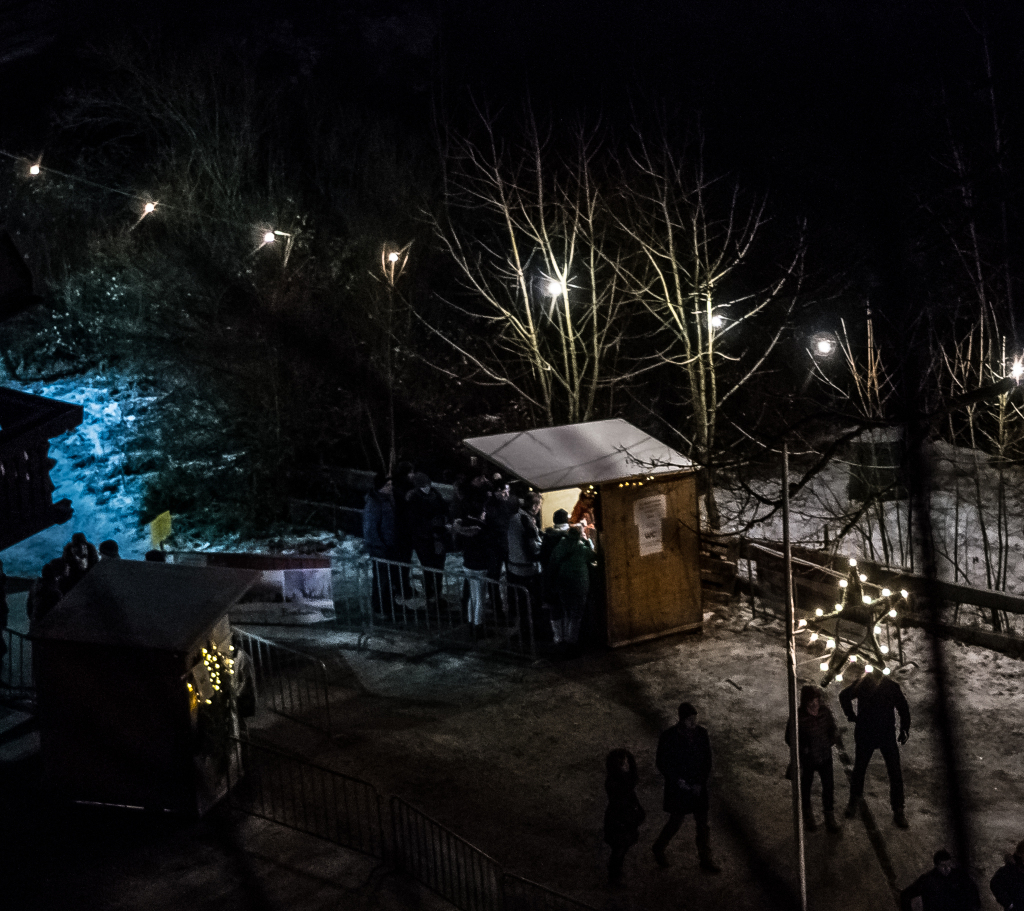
[
  {"x": 686, "y": 710},
  {"x": 420, "y": 479},
  {"x": 561, "y": 517}
]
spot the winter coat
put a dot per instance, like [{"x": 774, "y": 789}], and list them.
[
  {"x": 426, "y": 515},
  {"x": 43, "y": 597},
  {"x": 1008, "y": 884},
  {"x": 523, "y": 545},
  {"x": 551, "y": 538},
  {"x": 684, "y": 758},
  {"x": 876, "y": 702},
  {"x": 818, "y": 733},
  {"x": 379, "y": 529},
  {"x": 625, "y": 814},
  {"x": 496, "y": 521},
  {"x": 570, "y": 565},
  {"x": 476, "y": 553},
  {"x": 955, "y": 892}
]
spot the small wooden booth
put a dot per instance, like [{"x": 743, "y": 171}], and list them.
[
  {"x": 645, "y": 511},
  {"x": 132, "y": 670}
]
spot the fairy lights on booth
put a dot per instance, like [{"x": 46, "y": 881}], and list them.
[{"x": 870, "y": 649}]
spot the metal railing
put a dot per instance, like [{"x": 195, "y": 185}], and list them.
[
  {"x": 306, "y": 797},
  {"x": 453, "y": 607},
  {"x": 289, "y": 682},
  {"x": 445, "y": 863},
  {"x": 16, "y": 666},
  {"x": 523, "y": 895},
  {"x": 300, "y": 795}
]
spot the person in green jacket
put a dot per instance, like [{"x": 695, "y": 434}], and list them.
[{"x": 570, "y": 570}]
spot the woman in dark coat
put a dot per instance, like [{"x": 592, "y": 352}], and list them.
[
  {"x": 818, "y": 733},
  {"x": 624, "y": 815},
  {"x": 570, "y": 567}
]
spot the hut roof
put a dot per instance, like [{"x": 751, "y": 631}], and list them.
[
  {"x": 574, "y": 455},
  {"x": 137, "y": 604}
]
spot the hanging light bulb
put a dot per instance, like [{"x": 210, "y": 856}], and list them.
[
  {"x": 886, "y": 593},
  {"x": 884, "y": 649},
  {"x": 853, "y": 659},
  {"x": 269, "y": 237},
  {"x": 853, "y": 562},
  {"x": 823, "y": 665},
  {"x": 819, "y": 612},
  {"x": 904, "y": 593},
  {"x": 862, "y": 577},
  {"x": 34, "y": 170},
  {"x": 843, "y": 583},
  {"x": 839, "y": 608},
  {"x": 868, "y": 668},
  {"x": 801, "y": 623},
  {"x": 866, "y": 599},
  {"x": 814, "y": 637},
  {"x": 878, "y": 631},
  {"x": 392, "y": 257},
  {"x": 886, "y": 671},
  {"x": 892, "y": 613},
  {"x": 839, "y": 678},
  {"x": 149, "y": 208},
  {"x": 831, "y": 643}
]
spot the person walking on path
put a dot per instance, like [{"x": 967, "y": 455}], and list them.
[
  {"x": 877, "y": 698},
  {"x": 684, "y": 758},
  {"x": 624, "y": 815},
  {"x": 1008, "y": 883},
  {"x": 817, "y": 735},
  {"x": 946, "y": 887},
  {"x": 571, "y": 564}
]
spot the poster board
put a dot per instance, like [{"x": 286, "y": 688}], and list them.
[{"x": 650, "y": 534}]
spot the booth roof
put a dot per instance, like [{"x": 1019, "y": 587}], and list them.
[
  {"x": 553, "y": 458},
  {"x": 137, "y": 604}
]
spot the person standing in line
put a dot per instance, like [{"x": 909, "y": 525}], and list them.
[
  {"x": 501, "y": 507},
  {"x": 79, "y": 556},
  {"x": 684, "y": 759},
  {"x": 468, "y": 531},
  {"x": 1008, "y": 883},
  {"x": 571, "y": 564},
  {"x": 524, "y": 542},
  {"x": 109, "y": 550},
  {"x": 401, "y": 487},
  {"x": 624, "y": 815},
  {"x": 427, "y": 514},
  {"x": 379, "y": 536},
  {"x": 878, "y": 697},
  {"x": 551, "y": 538},
  {"x": 818, "y": 734},
  {"x": 46, "y": 591},
  {"x": 946, "y": 887}
]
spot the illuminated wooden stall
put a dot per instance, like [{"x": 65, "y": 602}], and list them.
[
  {"x": 123, "y": 680},
  {"x": 645, "y": 511}
]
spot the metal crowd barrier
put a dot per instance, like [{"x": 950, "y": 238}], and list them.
[
  {"x": 445, "y": 863},
  {"x": 287, "y": 790},
  {"x": 16, "y": 666},
  {"x": 306, "y": 797},
  {"x": 291, "y": 683},
  {"x": 453, "y": 607}
]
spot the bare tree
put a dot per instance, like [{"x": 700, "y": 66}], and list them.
[
  {"x": 529, "y": 230},
  {"x": 693, "y": 236}
]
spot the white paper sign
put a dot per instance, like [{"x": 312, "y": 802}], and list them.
[{"x": 647, "y": 514}]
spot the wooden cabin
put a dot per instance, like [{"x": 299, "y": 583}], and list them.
[
  {"x": 645, "y": 511},
  {"x": 124, "y": 666}
]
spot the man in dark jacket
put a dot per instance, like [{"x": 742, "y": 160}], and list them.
[
  {"x": 684, "y": 758},
  {"x": 426, "y": 513},
  {"x": 878, "y": 697},
  {"x": 945, "y": 887},
  {"x": 379, "y": 536},
  {"x": 1008, "y": 883}
]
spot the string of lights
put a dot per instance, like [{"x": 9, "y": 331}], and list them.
[{"x": 147, "y": 205}]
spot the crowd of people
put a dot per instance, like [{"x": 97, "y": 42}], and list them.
[
  {"x": 875, "y": 704},
  {"x": 504, "y": 551},
  {"x": 63, "y": 573}
]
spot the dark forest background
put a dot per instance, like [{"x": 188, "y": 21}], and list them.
[{"x": 877, "y": 146}]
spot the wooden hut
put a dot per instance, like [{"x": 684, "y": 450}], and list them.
[
  {"x": 127, "y": 668},
  {"x": 646, "y": 515}
]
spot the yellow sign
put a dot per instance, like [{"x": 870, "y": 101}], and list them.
[{"x": 160, "y": 529}]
